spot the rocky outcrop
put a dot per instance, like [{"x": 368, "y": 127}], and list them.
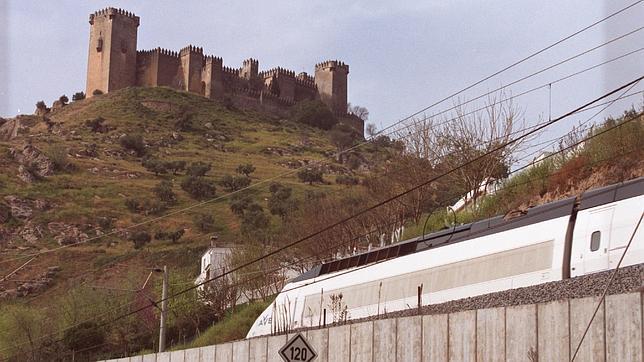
[
  {"x": 21, "y": 209},
  {"x": 34, "y": 286},
  {"x": 12, "y": 127},
  {"x": 33, "y": 163},
  {"x": 65, "y": 234}
]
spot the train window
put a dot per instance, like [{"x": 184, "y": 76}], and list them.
[{"x": 595, "y": 238}]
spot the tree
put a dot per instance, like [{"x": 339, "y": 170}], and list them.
[
  {"x": 281, "y": 202},
  {"x": 342, "y": 136},
  {"x": 96, "y": 124},
  {"x": 63, "y": 100},
  {"x": 78, "y": 96},
  {"x": 246, "y": 169},
  {"x": 198, "y": 169},
  {"x": 133, "y": 142},
  {"x": 469, "y": 137},
  {"x": 371, "y": 130},
  {"x": 140, "y": 238},
  {"x": 41, "y": 106},
  {"x": 254, "y": 220},
  {"x": 164, "y": 192},
  {"x": 176, "y": 166},
  {"x": 358, "y": 111},
  {"x": 310, "y": 175},
  {"x": 234, "y": 183},
  {"x": 205, "y": 223},
  {"x": 314, "y": 113},
  {"x": 154, "y": 165},
  {"x": 199, "y": 187}
]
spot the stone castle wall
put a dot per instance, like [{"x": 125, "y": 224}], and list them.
[{"x": 114, "y": 63}]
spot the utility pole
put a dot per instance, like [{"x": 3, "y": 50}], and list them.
[{"x": 164, "y": 309}]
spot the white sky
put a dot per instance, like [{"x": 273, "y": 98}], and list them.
[{"x": 403, "y": 55}]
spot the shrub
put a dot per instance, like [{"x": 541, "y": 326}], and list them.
[
  {"x": 97, "y": 92},
  {"x": 198, "y": 187},
  {"x": 78, "y": 96},
  {"x": 63, "y": 99},
  {"x": 176, "y": 166},
  {"x": 96, "y": 125},
  {"x": 140, "y": 238},
  {"x": 234, "y": 183},
  {"x": 154, "y": 165},
  {"x": 165, "y": 235},
  {"x": 254, "y": 220},
  {"x": 281, "y": 202},
  {"x": 84, "y": 336},
  {"x": 105, "y": 223},
  {"x": 198, "y": 168},
  {"x": 133, "y": 142},
  {"x": 314, "y": 113},
  {"x": 59, "y": 158},
  {"x": 164, "y": 192},
  {"x": 240, "y": 203},
  {"x": 184, "y": 123},
  {"x": 246, "y": 169},
  {"x": 205, "y": 223},
  {"x": 310, "y": 175},
  {"x": 347, "y": 180},
  {"x": 40, "y": 105},
  {"x": 146, "y": 206}
]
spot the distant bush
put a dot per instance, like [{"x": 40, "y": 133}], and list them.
[
  {"x": 198, "y": 168},
  {"x": 164, "y": 192},
  {"x": 314, "y": 113},
  {"x": 176, "y": 166},
  {"x": 184, "y": 123},
  {"x": 145, "y": 206},
  {"x": 246, "y": 169},
  {"x": 140, "y": 238},
  {"x": 97, "y": 92},
  {"x": 105, "y": 223},
  {"x": 63, "y": 99},
  {"x": 155, "y": 166},
  {"x": 205, "y": 223},
  {"x": 133, "y": 142},
  {"x": 198, "y": 187},
  {"x": 96, "y": 125},
  {"x": 78, "y": 96},
  {"x": 310, "y": 175},
  {"x": 347, "y": 180},
  {"x": 59, "y": 158},
  {"x": 174, "y": 236},
  {"x": 281, "y": 202},
  {"x": 234, "y": 183},
  {"x": 254, "y": 220}
]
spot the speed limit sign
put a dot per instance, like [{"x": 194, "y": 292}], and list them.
[{"x": 297, "y": 349}]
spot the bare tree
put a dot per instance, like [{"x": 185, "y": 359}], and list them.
[
  {"x": 359, "y": 111},
  {"x": 371, "y": 130},
  {"x": 469, "y": 137}
]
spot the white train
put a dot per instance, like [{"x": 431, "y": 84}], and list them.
[{"x": 559, "y": 240}]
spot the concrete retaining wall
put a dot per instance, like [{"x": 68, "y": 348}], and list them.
[{"x": 548, "y": 331}]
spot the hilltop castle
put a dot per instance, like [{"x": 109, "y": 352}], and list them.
[{"x": 115, "y": 63}]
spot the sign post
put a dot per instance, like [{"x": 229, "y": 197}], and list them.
[{"x": 297, "y": 349}]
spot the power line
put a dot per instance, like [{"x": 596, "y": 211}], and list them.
[
  {"x": 291, "y": 172},
  {"x": 353, "y": 239}
]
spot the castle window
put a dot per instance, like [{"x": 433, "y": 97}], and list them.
[{"x": 99, "y": 45}]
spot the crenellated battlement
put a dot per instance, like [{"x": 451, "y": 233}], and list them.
[
  {"x": 332, "y": 65},
  {"x": 111, "y": 12},
  {"x": 191, "y": 49},
  {"x": 121, "y": 65},
  {"x": 231, "y": 71},
  {"x": 160, "y": 51},
  {"x": 276, "y": 72}
]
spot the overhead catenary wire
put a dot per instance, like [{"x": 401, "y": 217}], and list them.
[
  {"x": 345, "y": 242},
  {"x": 265, "y": 181}
]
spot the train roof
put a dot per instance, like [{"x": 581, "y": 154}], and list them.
[{"x": 552, "y": 210}]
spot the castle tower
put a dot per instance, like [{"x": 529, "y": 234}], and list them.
[
  {"x": 250, "y": 69},
  {"x": 331, "y": 81},
  {"x": 111, "y": 63},
  {"x": 192, "y": 60}
]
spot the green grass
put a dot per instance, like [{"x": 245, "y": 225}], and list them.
[{"x": 232, "y": 327}]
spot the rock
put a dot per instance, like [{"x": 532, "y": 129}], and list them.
[
  {"x": 66, "y": 234},
  {"x": 30, "y": 233},
  {"x": 35, "y": 162},
  {"x": 5, "y": 213},
  {"x": 25, "y": 175},
  {"x": 12, "y": 127},
  {"x": 57, "y": 105},
  {"x": 20, "y": 209},
  {"x": 41, "y": 111},
  {"x": 176, "y": 136},
  {"x": 208, "y": 125}
]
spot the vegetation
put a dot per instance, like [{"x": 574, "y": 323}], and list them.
[
  {"x": 133, "y": 142},
  {"x": 78, "y": 96},
  {"x": 198, "y": 187},
  {"x": 311, "y": 175},
  {"x": 314, "y": 113}
]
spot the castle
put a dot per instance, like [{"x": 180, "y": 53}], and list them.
[{"x": 114, "y": 63}]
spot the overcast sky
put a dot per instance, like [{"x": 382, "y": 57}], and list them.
[{"x": 403, "y": 55}]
